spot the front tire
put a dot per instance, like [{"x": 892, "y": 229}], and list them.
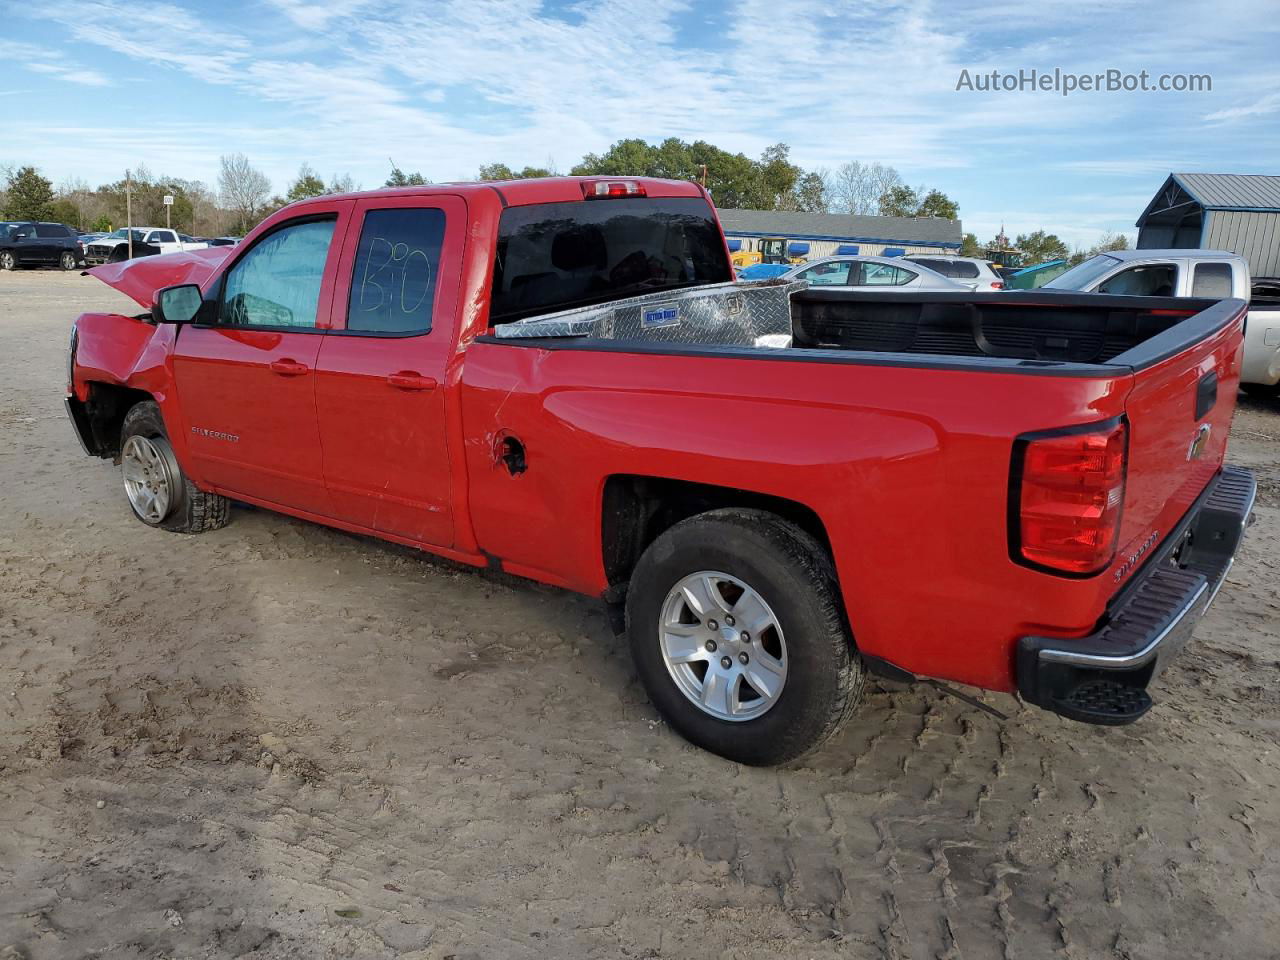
[
  {"x": 737, "y": 632},
  {"x": 8, "y": 261},
  {"x": 159, "y": 493}
]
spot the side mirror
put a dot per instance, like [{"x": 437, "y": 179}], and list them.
[{"x": 180, "y": 304}]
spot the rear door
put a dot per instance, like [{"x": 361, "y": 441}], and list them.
[
  {"x": 380, "y": 379},
  {"x": 247, "y": 382}
]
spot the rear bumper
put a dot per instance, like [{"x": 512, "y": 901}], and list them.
[{"x": 1103, "y": 678}]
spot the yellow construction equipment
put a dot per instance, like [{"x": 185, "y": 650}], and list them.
[{"x": 771, "y": 250}]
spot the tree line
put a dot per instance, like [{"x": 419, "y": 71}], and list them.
[{"x": 243, "y": 195}]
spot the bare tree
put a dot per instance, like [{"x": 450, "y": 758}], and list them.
[
  {"x": 857, "y": 187},
  {"x": 243, "y": 189}
]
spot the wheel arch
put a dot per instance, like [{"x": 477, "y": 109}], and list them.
[
  {"x": 636, "y": 509},
  {"x": 100, "y": 418}
]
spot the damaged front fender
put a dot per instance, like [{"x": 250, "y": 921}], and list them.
[{"x": 139, "y": 279}]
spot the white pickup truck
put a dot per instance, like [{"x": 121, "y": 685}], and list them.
[
  {"x": 147, "y": 242},
  {"x": 1213, "y": 274}
]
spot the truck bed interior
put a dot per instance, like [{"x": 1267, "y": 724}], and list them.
[{"x": 1078, "y": 328}]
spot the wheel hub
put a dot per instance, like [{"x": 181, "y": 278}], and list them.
[
  {"x": 148, "y": 481},
  {"x": 723, "y": 646}
]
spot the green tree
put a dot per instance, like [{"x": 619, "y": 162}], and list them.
[
  {"x": 399, "y": 178},
  {"x": 102, "y": 225},
  {"x": 1040, "y": 247},
  {"x": 937, "y": 204},
  {"x": 500, "y": 171},
  {"x": 899, "y": 201},
  {"x": 64, "y": 210},
  {"x": 969, "y": 246},
  {"x": 28, "y": 196},
  {"x": 307, "y": 184},
  {"x": 812, "y": 194}
]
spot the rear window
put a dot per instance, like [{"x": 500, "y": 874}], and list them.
[
  {"x": 555, "y": 256},
  {"x": 1211, "y": 280}
]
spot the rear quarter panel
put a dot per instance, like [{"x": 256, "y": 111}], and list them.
[{"x": 907, "y": 467}]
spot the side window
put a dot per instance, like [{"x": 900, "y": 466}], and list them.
[
  {"x": 393, "y": 283},
  {"x": 1212, "y": 280},
  {"x": 940, "y": 266},
  {"x": 1149, "y": 280},
  {"x": 277, "y": 283},
  {"x": 827, "y": 273},
  {"x": 883, "y": 275},
  {"x": 963, "y": 269},
  {"x": 48, "y": 230}
]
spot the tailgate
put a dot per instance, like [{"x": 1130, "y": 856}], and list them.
[{"x": 1179, "y": 412}]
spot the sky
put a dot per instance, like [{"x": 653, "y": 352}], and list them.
[{"x": 89, "y": 89}]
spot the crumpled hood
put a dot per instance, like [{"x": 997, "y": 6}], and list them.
[{"x": 142, "y": 277}]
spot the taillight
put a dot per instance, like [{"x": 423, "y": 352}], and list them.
[
  {"x": 997, "y": 284},
  {"x": 1069, "y": 490},
  {"x": 595, "y": 189}
]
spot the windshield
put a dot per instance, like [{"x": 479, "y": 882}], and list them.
[
  {"x": 555, "y": 256},
  {"x": 1082, "y": 276},
  {"x": 123, "y": 234}
]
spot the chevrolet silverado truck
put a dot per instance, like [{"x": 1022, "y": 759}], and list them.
[
  {"x": 147, "y": 242},
  {"x": 1193, "y": 273},
  {"x": 559, "y": 379}
]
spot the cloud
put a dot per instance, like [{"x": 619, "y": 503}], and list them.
[
  {"x": 1265, "y": 105},
  {"x": 39, "y": 59}
]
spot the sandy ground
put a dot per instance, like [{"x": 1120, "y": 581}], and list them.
[{"x": 278, "y": 740}]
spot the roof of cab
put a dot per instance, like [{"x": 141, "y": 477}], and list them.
[
  {"x": 521, "y": 192},
  {"x": 1170, "y": 253}
]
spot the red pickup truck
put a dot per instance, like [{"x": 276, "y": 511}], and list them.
[{"x": 1018, "y": 492}]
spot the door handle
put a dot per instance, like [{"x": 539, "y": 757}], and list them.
[
  {"x": 289, "y": 368},
  {"x": 408, "y": 380}
]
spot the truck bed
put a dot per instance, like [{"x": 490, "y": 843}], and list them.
[{"x": 1029, "y": 327}]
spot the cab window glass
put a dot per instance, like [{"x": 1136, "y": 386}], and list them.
[
  {"x": 393, "y": 284},
  {"x": 1212, "y": 280},
  {"x": 1152, "y": 280},
  {"x": 883, "y": 275},
  {"x": 827, "y": 273},
  {"x": 277, "y": 283}
]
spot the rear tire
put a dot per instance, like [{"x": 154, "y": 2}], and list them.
[
  {"x": 68, "y": 260},
  {"x": 762, "y": 570},
  {"x": 159, "y": 493}
]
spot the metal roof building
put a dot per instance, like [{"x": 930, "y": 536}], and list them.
[
  {"x": 1225, "y": 211},
  {"x": 824, "y": 234}
]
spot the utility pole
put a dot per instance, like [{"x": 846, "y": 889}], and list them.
[
  {"x": 128, "y": 210},
  {"x": 704, "y": 174}
]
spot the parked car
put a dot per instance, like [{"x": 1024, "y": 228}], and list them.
[
  {"x": 942, "y": 483},
  {"x": 30, "y": 243},
  {"x": 886, "y": 274},
  {"x": 90, "y": 236},
  {"x": 1192, "y": 273},
  {"x": 147, "y": 242},
  {"x": 221, "y": 241},
  {"x": 967, "y": 270}
]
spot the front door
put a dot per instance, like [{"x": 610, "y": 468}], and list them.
[
  {"x": 246, "y": 383},
  {"x": 381, "y": 378}
]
